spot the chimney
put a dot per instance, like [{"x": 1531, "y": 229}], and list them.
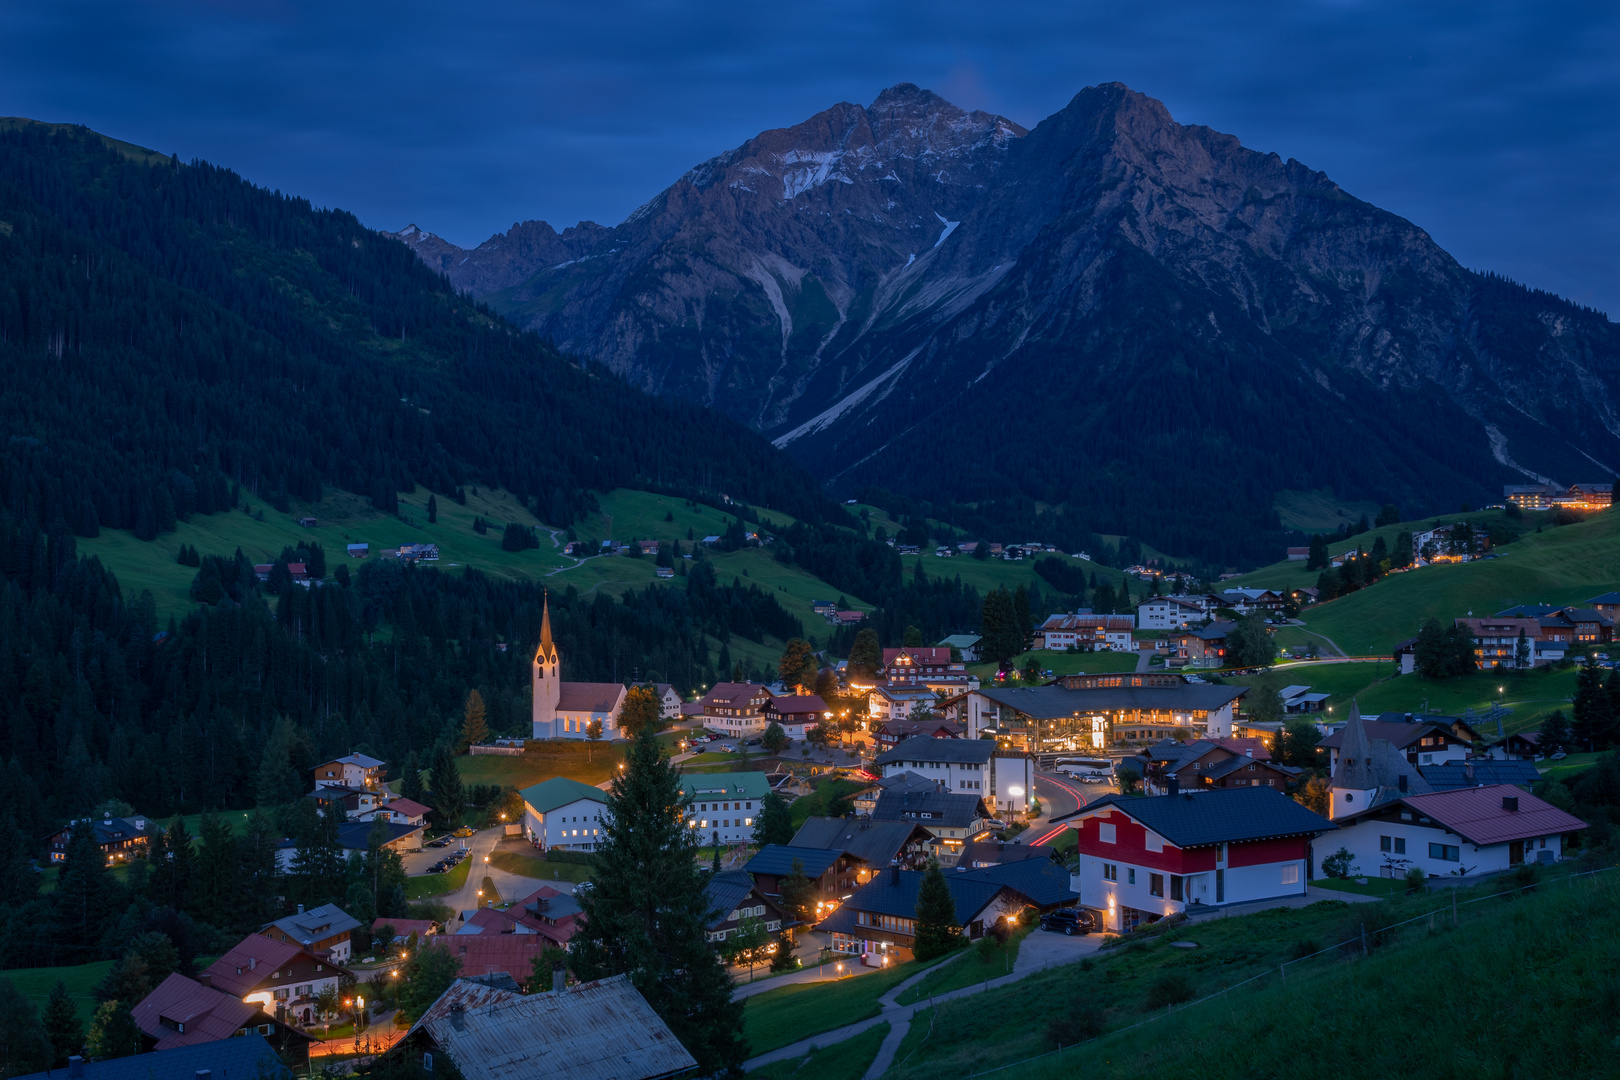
[
  {"x": 894, "y": 873},
  {"x": 1510, "y": 803},
  {"x": 1175, "y": 784},
  {"x": 458, "y": 1016},
  {"x": 205, "y": 1074},
  {"x": 75, "y": 1065},
  {"x": 300, "y": 909},
  {"x": 558, "y": 977},
  {"x": 253, "y": 962},
  {"x": 206, "y": 978},
  {"x": 1400, "y": 783}
]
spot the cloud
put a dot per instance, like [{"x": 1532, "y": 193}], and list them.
[{"x": 1492, "y": 125}]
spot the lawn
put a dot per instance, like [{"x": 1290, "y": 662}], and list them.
[
  {"x": 1063, "y": 662},
  {"x": 970, "y": 969},
  {"x": 777, "y": 1018},
  {"x": 35, "y": 983},
  {"x": 575, "y": 759},
  {"x": 1376, "y": 886},
  {"x": 532, "y": 866},
  {"x": 819, "y": 801},
  {"x": 1566, "y": 768},
  {"x": 847, "y": 1060},
  {"x": 424, "y": 886}
]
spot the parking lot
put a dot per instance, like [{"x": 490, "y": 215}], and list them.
[{"x": 417, "y": 862}]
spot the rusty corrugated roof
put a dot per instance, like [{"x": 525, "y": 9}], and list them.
[{"x": 602, "y": 1030}]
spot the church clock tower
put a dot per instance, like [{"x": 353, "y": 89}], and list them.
[{"x": 546, "y": 679}]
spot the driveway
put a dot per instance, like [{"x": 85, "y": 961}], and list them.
[{"x": 480, "y": 845}]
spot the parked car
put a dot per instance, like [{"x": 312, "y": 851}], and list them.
[
  {"x": 464, "y": 831},
  {"x": 1069, "y": 921},
  {"x": 443, "y": 841}
]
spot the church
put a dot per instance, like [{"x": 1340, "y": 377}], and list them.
[{"x": 563, "y": 710}]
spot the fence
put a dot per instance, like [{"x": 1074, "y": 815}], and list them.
[
  {"x": 1453, "y": 910},
  {"x": 504, "y": 751}
]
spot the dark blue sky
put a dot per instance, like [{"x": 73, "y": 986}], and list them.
[{"x": 1496, "y": 126}]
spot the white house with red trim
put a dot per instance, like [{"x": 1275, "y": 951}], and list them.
[{"x": 1144, "y": 859}]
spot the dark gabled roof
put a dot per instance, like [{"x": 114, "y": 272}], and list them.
[
  {"x": 1056, "y": 702},
  {"x": 875, "y": 843},
  {"x": 1234, "y": 764},
  {"x": 1481, "y": 772},
  {"x": 1214, "y": 815},
  {"x": 249, "y": 1057},
  {"x": 955, "y": 810},
  {"x": 355, "y": 835},
  {"x": 724, "y": 891},
  {"x": 995, "y": 852},
  {"x": 1398, "y": 731},
  {"x": 316, "y": 924},
  {"x": 892, "y": 893},
  {"x": 1042, "y": 882},
  {"x": 1606, "y": 599},
  {"x": 928, "y": 748},
  {"x": 778, "y": 859}
]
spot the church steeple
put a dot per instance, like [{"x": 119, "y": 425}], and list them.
[{"x": 545, "y": 679}]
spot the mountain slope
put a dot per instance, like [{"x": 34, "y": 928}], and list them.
[
  {"x": 1071, "y": 327},
  {"x": 170, "y": 331}
]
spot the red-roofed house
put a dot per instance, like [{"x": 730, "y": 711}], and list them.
[
  {"x": 918, "y": 667},
  {"x": 547, "y": 912},
  {"x": 797, "y": 713},
  {"x": 404, "y": 928},
  {"x": 1465, "y": 831},
  {"x": 183, "y": 1012},
  {"x": 736, "y": 709},
  {"x": 482, "y": 954},
  {"x": 399, "y": 811},
  {"x": 274, "y": 975}
]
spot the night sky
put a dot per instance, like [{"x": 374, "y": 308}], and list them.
[{"x": 1495, "y": 126}]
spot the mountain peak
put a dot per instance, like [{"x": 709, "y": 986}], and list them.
[{"x": 906, "y": 94}]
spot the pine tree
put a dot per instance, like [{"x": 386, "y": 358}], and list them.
[
  {"x": 113, "y": 1033},
  {"x": 172, "y": 866},
  {"x": 61, "y": 1024},
  {"x": 432, "y": 510},
  {"x": 410, "y": 781},
  {"x": 84, "y": 899},
  {"x": 1318, "y": 557},
  {"x": 938, "y": 932},
  {"x": 317, "y": 871},
  {"x": 798, "y": 896},
  {"x": 23, "y": 1040},
  {"x": 258, "y": 873},
  {"x": 1023, "y": 620},
  {"x": 474, "y": 729},
  {"x": 775, "y": 822},
  {"x": 1555, "y": 734},
  {"x": 448, "y": 796},
  {"x": 866, "y": 654},
  {"x": 1590, "y": 708},
  {"x": 216, "y": 874},
  {"x": 647, "y": 912},
  {"x": 913, "y": 637},
  {"x": 797, "y": 667},
  {"x": 18, "y": 882}
]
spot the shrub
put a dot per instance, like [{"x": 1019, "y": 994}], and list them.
[
  {"x": 1304, "y": 947},
  {"x": 582, "y": 858},
  {"x": 1339, "y": 864},
  {"x": 1415, "y": 877},
  {"x": 1170, "y": 988},
  {"x": 1080, "y": 1022},
  {"x": 1524, "y": 877}
]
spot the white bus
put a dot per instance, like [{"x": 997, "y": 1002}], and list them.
[{"x": 1088, "y": 770}]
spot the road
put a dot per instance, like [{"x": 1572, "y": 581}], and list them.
[{"x": 1059, "y": 795}]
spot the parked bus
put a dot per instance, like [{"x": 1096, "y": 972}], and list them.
[{"x": 1088, "y": 770}]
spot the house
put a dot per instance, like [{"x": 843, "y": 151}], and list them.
[
  {"x": 669, "y": 700},
  {"x": 567, "y": 710},
  {"x": 647, "y": 547},
  {"x": 1202, "y": 646},
  {"x": 1246, "y": 601},
  {"x": 354, "y": 804},
  {"x": 1586, "y": 497},
  {"x": 831, "y": 872},
  {"x": 357, "y": 772},
  {"x": 119, "y": 839},
  {"x": 404, "y": 928},
  {"x": 868, "y": 845},
  {"x": 1298, "y": 554},
  {"x": 1525, "y": 746},
  {"x": 1423, "y": 740},
  {"x": 710, "y": 541},
  {"x": 966, "y": 646},
  {"x": 879, "y": 922},
  {"x": 1169, "y": 612},
  {"x": 1299, "y": 699},
  {"x": 1091, "y": 712},
  {"x": 924, "y": 668},
  {"x": 550, "y": 913},
  {"x": 1470, "y": 830},
  {"x": 488, "y": 955},
  {"x": 1142, "y": 859},
  {"x": 597, "y": 1029},
  {"x": 1004, "y": 779},
  {"x": 735, "y": 709},
  {"x": 723, "y": 805},
  {"x": 1531, "y": 496},
  {"x": 358, "y": 551},
  {"x": 355, "y": 837},
  {"x": 665, "y": 572},
  {"x": 1496, "y": 640},
  {"x": 846, "y": 618},
  {"x": 563, "y": 813},
  {"x": 1369, "y": 768},
  {"x": 298, "y": 570},
  {"x": 824, "y": 607},
  {"x": 977, "y": 854},
  {"x": 277, "y": 976},
  {"x": 250, "y": 1057},
  {"x": 1606, "y": 604},
  {"x": 413, "y": 553},
  {"x": 1213, "y": 763},
  {"x": 182, "y": 1012},
  {"x": 1039, "y": 881},
  {"x": 1480, "y": 772},
  {"x": 953, "y": 817},
  {"x": 891, "y": 733},
  {"x": 323, "y": 931},
  {"x": 733, "y": 897},
  {"x": 1086, "y": 632},
  {"x": 797, "y": 713},
  {"x": 399, "y": 812},
  {"x": 887, "y": 703}
]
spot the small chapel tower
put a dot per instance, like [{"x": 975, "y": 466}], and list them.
[{"x": 546, "y": 679}]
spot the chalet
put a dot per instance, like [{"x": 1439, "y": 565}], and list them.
[
  {"x": 276, "y": 975},
  {"x": 890, "y": 703},
  {"x": 399, "y": 812},
  {"x": 665, "y": 572},
  {"x": 356, "y": 772},
  {"x": 824, "y": 607},
  {"x": 1087, "y": 632},
  {"x": 563, "y": 813},
  {"x": 118, "y": 838},
  {"x": 669, "y": 700},
  {"x": 846, "y": 618},
  {"x": 831, "y": 872},
  {"x": 1496, "y": 640},
  {"x": 485, "y": 955},
  {"x": 953, "y": 817},
  {"x": 977, "y": 854},
  {"x": 1169, "y": 613},
  {"x": 735, "y": 709},
  {"x": 723, "y": 806},
  {"x": 546, "y": 912},
  {"x": 602, "y": 1028},
  {"x": 1003, "y": 778},
  {"x": 1606, "y": 604},
  {"x": 1531, "y": 496},
  {"x": 1142, "y": 859},
  {"x": 322, "y": 931},
  {"x": 355, "y": 837},
  {"x": 1246, "y": 601},
  {"x": 1463, "y": 831},
  {"x": 1298, "y": 554},
  {"x": 965, "y": 645},
  {"x": 796, "y": 713},
  {"x": 1299, "y": 699},
  {"x": 1422, "y": 740},
  {"x": 891, "y": 733},
  {"x": 924, "y": 668},
  {"x": 1091, "y": 712},
  {"x": 1525, "y": 746},
  {"x": 1213, "y": 763},
  {"x": 647, "y": 547},
  {"x": 1586, "y": 497},
  {"x": 358, "y": 551},
  {"x": 733, "y": 897},
  {"x": 354, "y": 804},
  {"x": 1201, "y": 646},
  {"x": 182, "y": 1012},
  {"x": 868, "y": 845}
]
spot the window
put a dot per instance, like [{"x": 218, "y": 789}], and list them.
[
  {"x": 1445, "y": 852},
  {"x": 1111, "y": 872},
  {"x": 1385, "y": 844},
  {"x": 1154, "y": 842},
  {"x": 1105, "y": 832},
  {"x": 1400, "y": 845},
  {"x": 1130, "y": 875},
  {"x": 1175, "y": 886},
  {"x": 1156, "y": 885},
  {"x": 1290, "y": 874}
]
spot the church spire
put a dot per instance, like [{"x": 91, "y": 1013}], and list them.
[{"x": 546, "y": 648}]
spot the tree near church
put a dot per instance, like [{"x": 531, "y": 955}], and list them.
[
  {"x": 1000, "y": 636},
  {"x": 937, "y": 929},
  {"x": 647, "y": 911},
  {"x": 1248, "y": 644},
  {"x": 593, "y": 735},
  {"x": 474, "y": 726},
  {"x": 798, "y": 666},
  {"x": 642, "y": 711},
  {"x": 913, "y": 638},
  {"x": 113, "y": 1032}
]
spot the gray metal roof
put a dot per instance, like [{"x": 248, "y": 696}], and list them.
[
  {"x": 1214, "y": 815},
  {"x": 928, "y": 748},
  {"x": 876, "y": 843},
  {"x": 1481, "y": 772},
  {"x": 316, "y": 924},
  {"x": 248, "y": 1057},
  {"x": 601, "y": 1030},
  {"x": 1055, "y": 702},
  {"x": 931, "y": 806},
  {"x": 778, "y": 859},
  {"x": 1042, "y": 882}
]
